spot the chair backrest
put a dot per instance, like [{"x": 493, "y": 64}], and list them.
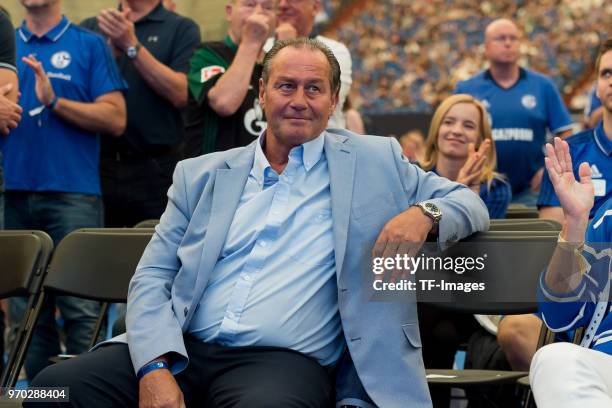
[
  {"x": 96, "y": 264},
  {"x": 147, "y": 224},
  {"x": 524, "y": 224},
  {"x": 514, "y": 262},
  {"x": 522, "y": 212},
  {"x": 23, "y": 258}
]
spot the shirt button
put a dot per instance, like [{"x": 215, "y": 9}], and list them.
[
  {"x": 262, "y": 243},
  {"x": 231, "y": 316},
  {"x": 247, "y": 278}
]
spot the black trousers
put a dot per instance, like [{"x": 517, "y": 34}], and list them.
[
  {"x": 216, "y": 377},
  {"x": 135, "y": 188}
]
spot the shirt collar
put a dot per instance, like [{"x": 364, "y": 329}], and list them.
[
  {"x": 308, "y": 153},
  {"x": 228, "y": 41},
  {"x": 522, "y": 74},
  {"x": 53, "y": 35},
  {"x": 603, "y": 142}
]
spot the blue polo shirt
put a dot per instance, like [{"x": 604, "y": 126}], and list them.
[
  {"x": 520, "y": 117},
  {"x": 46, "y": 153},
  {"x": 591, "y": 146}
]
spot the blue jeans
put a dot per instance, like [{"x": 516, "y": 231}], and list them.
[{"x": 57, "y": 214}]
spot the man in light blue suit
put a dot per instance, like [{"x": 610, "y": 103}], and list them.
[{"x": 250, "y": 293}]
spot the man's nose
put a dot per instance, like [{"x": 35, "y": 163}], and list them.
[{"x": 298, "y": 99}]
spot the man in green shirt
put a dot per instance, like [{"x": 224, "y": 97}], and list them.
[{"x": 223, "y": 110}]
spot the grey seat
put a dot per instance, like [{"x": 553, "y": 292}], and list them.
[
  {"x": 517, "y": 258},
  {"x": 95, "y": 264},
  {"x": 24, "y": 256}
]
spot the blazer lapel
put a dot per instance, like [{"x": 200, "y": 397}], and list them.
[
  {"x": 341, "y": 163},
  {"x": 229, "y": 184}
]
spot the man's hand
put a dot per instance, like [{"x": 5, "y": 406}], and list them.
[
  {"x": 576, "y": 198},
  {"x": 118, "y": 27},
  {"x": 403, "y": 234},
  {"x": 43, "y": 88},
  {"x": 158, "y": 389},
  {"x": 255, "y": 30},
  {"x": 470, "y": 173},
  {"x": 10, "y": 112},
  {"x": 285, "y": 31}
]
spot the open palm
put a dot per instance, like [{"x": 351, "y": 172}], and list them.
[{"x": 576, "y": 197}]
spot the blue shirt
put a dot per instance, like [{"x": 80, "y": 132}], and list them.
[
  {"x": 46, "y": 153},
  {"x": 520, "y": 117},
  {"x": 274, "y": 283},
  {"x": 591, "y": 146},
  {"x": 589, "y": 304},
  {"x": 496, "y": 197}
]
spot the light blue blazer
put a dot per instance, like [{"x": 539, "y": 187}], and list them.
[{"x": 370, "y": 184}]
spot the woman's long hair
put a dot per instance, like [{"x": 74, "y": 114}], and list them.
[{"x": 430, "y": 157}]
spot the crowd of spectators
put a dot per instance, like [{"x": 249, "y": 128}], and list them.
[{"x": 408, "y": 56}]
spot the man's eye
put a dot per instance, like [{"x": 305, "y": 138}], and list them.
[
  {"x": 285, "y": 86},
  {"x": 313, "y": 88}
]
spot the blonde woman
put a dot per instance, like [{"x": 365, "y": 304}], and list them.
[{"x": 459, "y": 147}]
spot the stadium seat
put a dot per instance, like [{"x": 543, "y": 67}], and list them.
[
  {"x": 529, "y": 252},
  {"x": 24, "y": 256},
  {"x": 95, "y": 264}
]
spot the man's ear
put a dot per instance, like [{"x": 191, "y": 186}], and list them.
[
  {"x": 317, "y": 6},
  {"x": 262, "y": 93},
  {"x": 335, "y": 101},
  {"x": 228, "y": 11}
]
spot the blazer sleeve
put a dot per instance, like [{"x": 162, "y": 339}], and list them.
[
  {"x": 463, "y": 211},
  {"x": 153, "y": 329}
]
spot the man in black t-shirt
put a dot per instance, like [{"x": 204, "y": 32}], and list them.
[
  {"x": 223, "y": 110},
  {"x": 152, "y": 46}
]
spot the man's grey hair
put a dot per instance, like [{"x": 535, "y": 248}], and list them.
[{"x": 310, "y": 44}]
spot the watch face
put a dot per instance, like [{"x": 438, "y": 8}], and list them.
[
  {"x": 433, "y": 209},
  {"x": 131, "y": 52}
]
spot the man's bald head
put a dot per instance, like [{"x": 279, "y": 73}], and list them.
[{"x": 502, "y": 41}]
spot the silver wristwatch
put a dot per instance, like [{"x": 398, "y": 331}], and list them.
[
  {"x": 431, "y": 210},
  {"x": 132, "y": 52}
]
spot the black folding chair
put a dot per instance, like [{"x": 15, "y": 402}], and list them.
[
  {"x": 147, "y": 224},
  {"x": 524, "y": 224},
  {"x": 95, "y": 264},
  {"x": 521, "y": 211},
  {"x": 529, "y": 253},
  {"x": 23, "y": 258}
]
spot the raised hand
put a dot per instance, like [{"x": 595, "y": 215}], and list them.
[
  {"x": 470, "y": 173},
  {"x": 285, "y": 31},
  {"x": 576, "y": 197},
  {"x": 43, "y": 88},
  {"x": 118, "y": 27},
  {"x": 10, "y": 112},
  {"x": 256, "y": 29}
]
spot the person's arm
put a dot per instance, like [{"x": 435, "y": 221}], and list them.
[
  {"x": 10, "y": 112},
  {"x": 228, "y": 93},
  {"x": 551, "y": 213},
  {"x": 548, "y": 203},
  {"x": 153, "y": 329},
  {"x": 463, "y": 212},
  {"x": 595, "y": 117},
  {"x": 167, "y": 82},
  {"x": 106, "y": 114},
  {"x": 576, "y": 199}
]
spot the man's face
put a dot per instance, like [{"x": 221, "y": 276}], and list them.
[
  {"x": 299, "y": 13},
  {"x": 604, "y": 81},
  {"x": 34, "y": 4},
  {"x": 502, "y": 42},
  {"x": 298, "y": 99},
  {"x": 239, "y": 10}
]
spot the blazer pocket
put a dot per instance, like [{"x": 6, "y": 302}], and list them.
[{"x": 411, "y": 331}]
